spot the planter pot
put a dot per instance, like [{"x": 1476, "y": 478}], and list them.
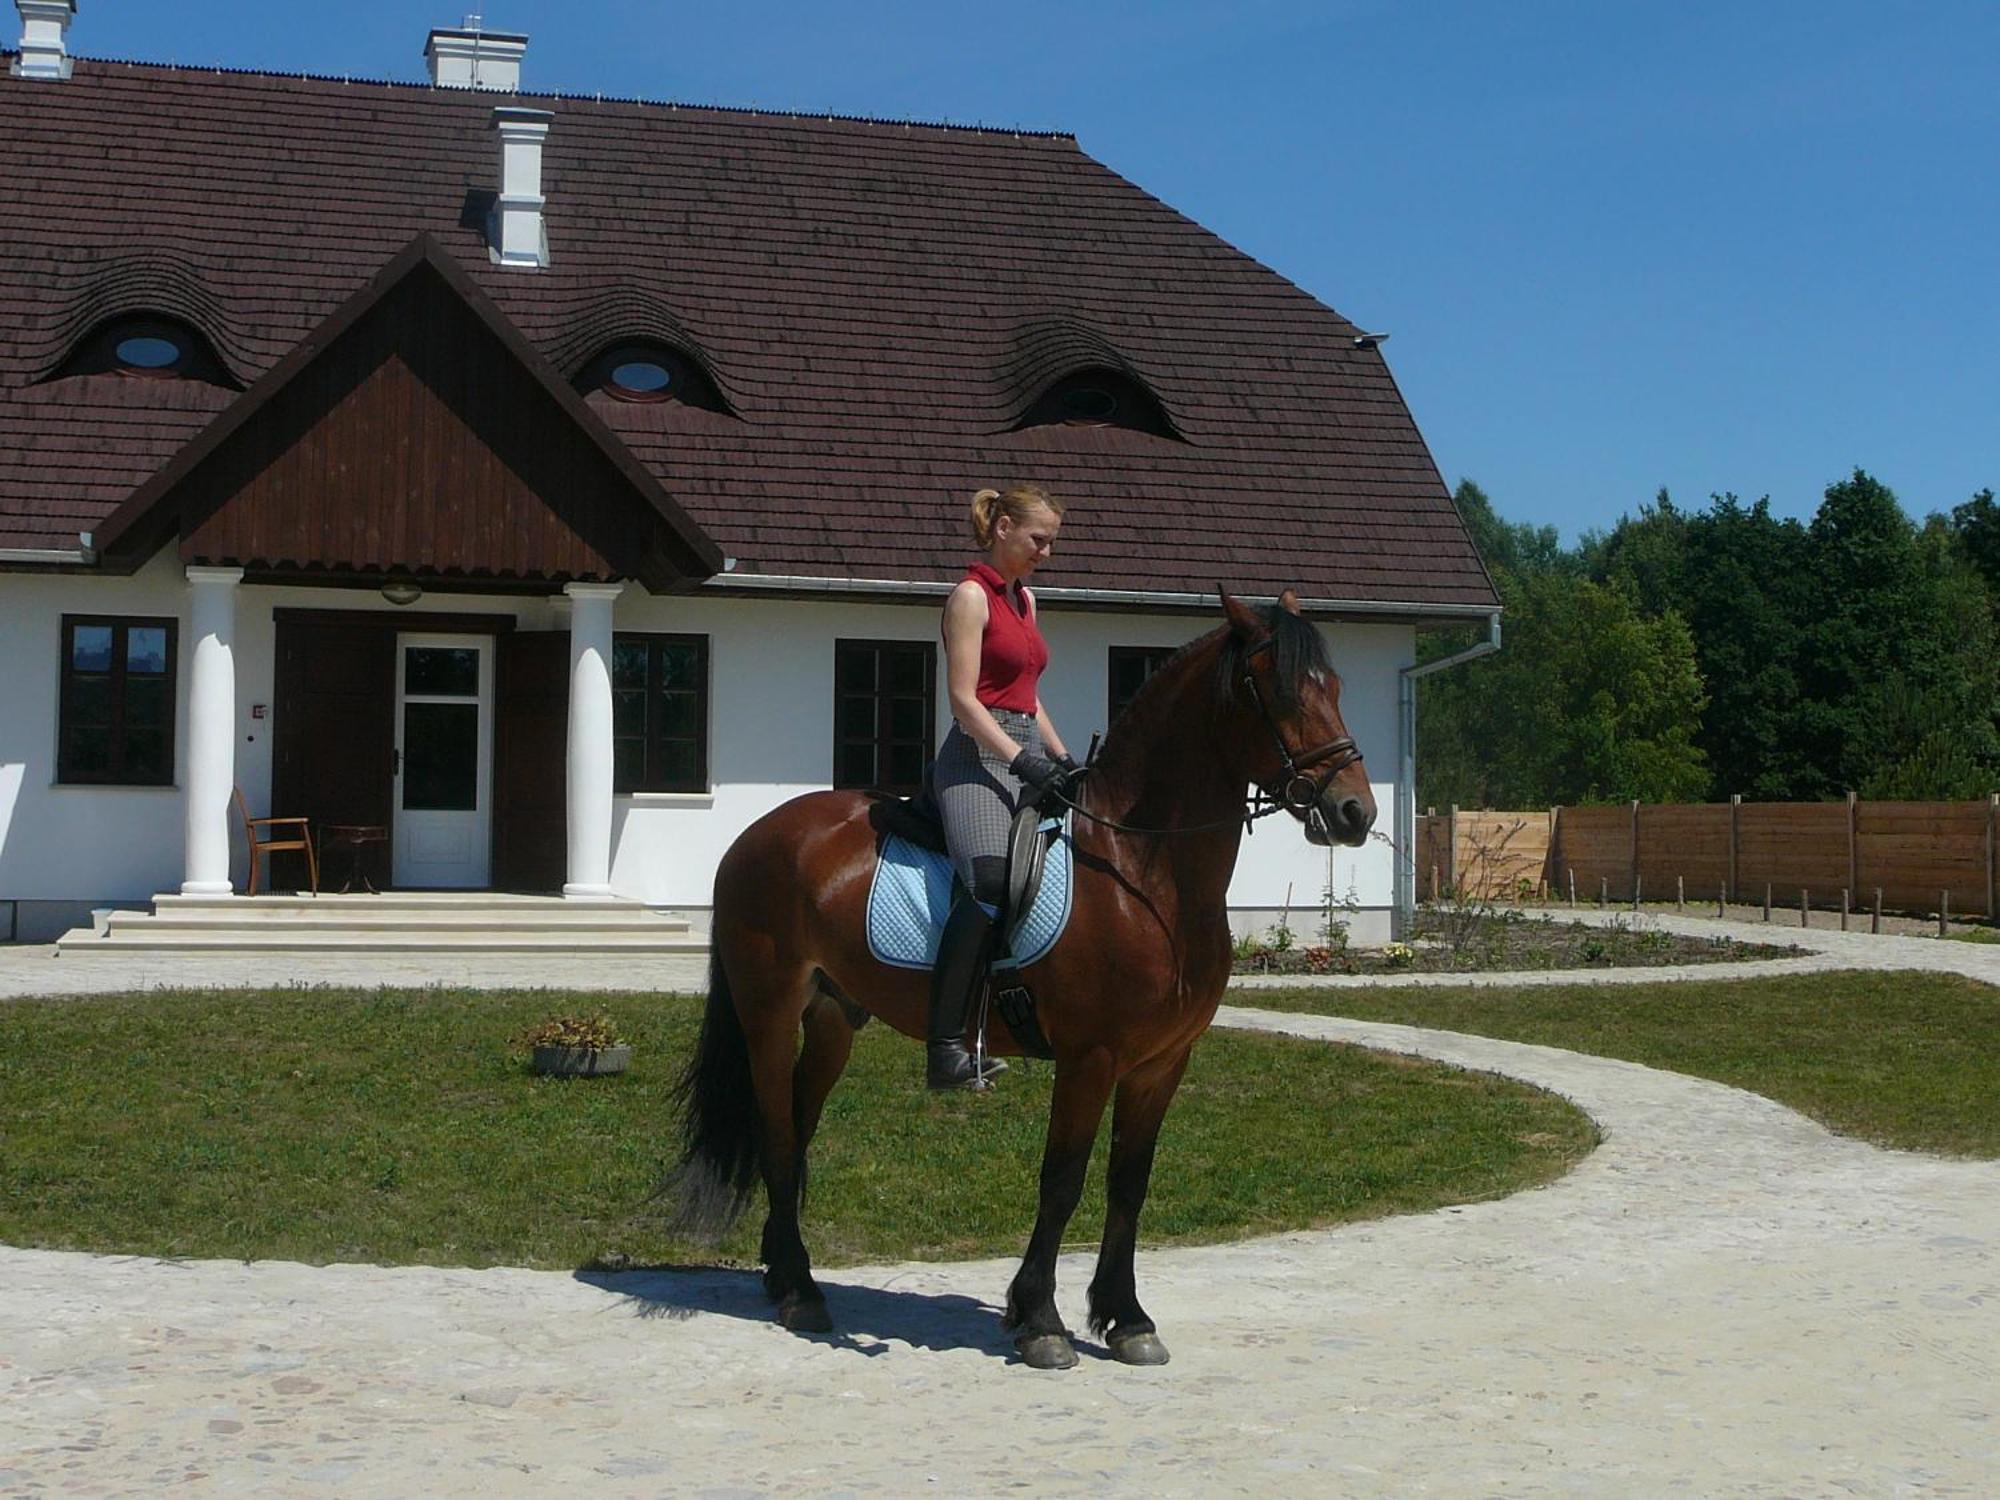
[{"x": 582, "y": 1062}]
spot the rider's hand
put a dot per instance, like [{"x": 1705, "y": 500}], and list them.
[{"x": 1036, "y": 770}]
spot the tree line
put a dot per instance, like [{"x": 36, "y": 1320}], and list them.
[{"x": 1686, "y": 655}]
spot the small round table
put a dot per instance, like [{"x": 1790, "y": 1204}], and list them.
[{"x": 354, "y": 838}]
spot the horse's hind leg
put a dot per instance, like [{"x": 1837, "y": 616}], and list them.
[
  {"x": 1082, "y": 1086},
  {"x": 1140, "y": 1106},
  {"x": 774, "y": 1054}
]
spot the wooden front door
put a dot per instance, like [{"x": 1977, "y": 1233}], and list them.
[
  {"x": 530, "y": 752},
  {"x": 334, "y": 739}
]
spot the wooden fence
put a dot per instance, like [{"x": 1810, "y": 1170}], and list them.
[{"x": 1915, "y": 853}]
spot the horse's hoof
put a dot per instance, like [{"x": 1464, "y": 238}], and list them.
[
  {"x": 1138, "y": 1349},
  {"x": 1046, "y": 1351},
  {"x": 803, "y": 1315}
]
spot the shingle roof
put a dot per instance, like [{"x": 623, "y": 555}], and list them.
[{"x": 878, "y": 303}]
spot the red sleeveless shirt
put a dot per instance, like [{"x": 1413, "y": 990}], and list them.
[{"x": 1012, "y": 652}]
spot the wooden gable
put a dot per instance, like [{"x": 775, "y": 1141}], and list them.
[{"x": 415, "y": 433}]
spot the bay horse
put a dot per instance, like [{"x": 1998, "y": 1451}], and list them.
[{"x": 1122, "y": 997}]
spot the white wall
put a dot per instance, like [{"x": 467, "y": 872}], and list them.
[{"x": 771, "y": 715}]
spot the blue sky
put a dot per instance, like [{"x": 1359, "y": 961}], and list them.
[{"x": 1713, "y": 246}]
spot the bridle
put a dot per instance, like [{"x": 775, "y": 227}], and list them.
[{"x": 1292, "y": 789}]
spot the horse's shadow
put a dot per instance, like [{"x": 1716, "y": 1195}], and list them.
[{"x": 866, "y": 1319}]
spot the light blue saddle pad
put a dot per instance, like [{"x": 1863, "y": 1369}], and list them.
[{"x": 911, "y": 897}]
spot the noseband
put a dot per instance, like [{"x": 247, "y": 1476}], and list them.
[{"x": 1292, "y": 789}]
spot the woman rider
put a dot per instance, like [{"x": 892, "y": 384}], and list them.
[{"x": 1001, "y": 747}]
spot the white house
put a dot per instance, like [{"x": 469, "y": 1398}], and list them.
[{"x": 559, "y": 484}]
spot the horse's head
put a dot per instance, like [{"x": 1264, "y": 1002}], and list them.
[{"x": 1280, "y": 685}]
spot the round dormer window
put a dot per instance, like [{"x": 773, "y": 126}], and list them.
[
  {"x": 149, "y": 352},
  {"x": 640, "y": 375},
  {"x": 1086, "y": 405}
]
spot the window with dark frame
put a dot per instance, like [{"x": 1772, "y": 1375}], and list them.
[
  {"x": 115, "y": 720},
  {"x": 1130, "y": 667},
  {"x": 884, "y": 714},
  {"x": 659, "y": 713}
]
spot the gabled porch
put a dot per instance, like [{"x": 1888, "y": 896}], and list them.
[{"x": 414, "y": 445}]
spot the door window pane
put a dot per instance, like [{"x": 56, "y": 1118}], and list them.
[
  {"x": 857, "y": 765},
  {"x": 146, "y": 649},
  {"x": 628, "y": 664},
  {"x": 90, "y": 650},
  {"x": 441, "y": 757},
  {"x": 441, "y": 671}
]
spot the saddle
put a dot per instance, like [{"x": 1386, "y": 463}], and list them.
[{"x": 917, "y": 820}]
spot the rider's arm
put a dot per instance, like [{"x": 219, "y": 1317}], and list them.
[{"x": 964, "y": 630}]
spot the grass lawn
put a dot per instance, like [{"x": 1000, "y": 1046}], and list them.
[
  {"x": 401, "y": 1127},
  {"x": 1906, "y": 1059}
]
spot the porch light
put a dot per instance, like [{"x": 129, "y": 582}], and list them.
[{"x": 400, "y": 591}]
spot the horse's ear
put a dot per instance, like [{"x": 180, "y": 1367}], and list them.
[
  {"x": 1242, "y": 618},
  {"x": 1289, "y": 601}
]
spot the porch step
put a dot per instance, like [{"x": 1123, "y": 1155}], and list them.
[
  {"x": 397, "y": 922},
  {"x": 82, "y": 943}
]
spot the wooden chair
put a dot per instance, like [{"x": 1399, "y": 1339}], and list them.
[{"x": 259, "y": 846}]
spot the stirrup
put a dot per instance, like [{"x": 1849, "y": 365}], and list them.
[{"x": 947, "y": 1065}]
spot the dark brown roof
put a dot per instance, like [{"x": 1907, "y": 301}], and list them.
[{"x": 878, "y": 304}]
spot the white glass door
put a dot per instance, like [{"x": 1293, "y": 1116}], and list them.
[{"x": 444, "y": 760}]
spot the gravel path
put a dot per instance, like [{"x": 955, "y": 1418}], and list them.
[{"x": 1724, "y": 1299}]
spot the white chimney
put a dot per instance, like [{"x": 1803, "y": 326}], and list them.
[
  {"x": 43, "y": 23},
  {"x": 475, "y": 58},
  {"x": 515, "y": 233}
]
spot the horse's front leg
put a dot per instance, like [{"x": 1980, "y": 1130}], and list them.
[
  {"x": 1115, "y": 1313},
  {"x": 1083, "y": 1084}
]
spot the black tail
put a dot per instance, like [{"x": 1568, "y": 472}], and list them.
[{"x": 718, "y": 1105}]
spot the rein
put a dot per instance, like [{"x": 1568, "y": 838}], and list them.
[{"x": 1300, "y": 792}]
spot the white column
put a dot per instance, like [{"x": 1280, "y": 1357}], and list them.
[
  {"x": 589, "y": 768},
  {"x": 211, "y": 757}
]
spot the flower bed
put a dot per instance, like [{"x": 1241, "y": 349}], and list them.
[{"x": 1501, "y": 941}]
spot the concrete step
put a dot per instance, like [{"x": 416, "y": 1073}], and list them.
[
  {"x": 83, "y": 943},
  {"x": 442, "y": 901},
  {"x": 122, "y": 924}
]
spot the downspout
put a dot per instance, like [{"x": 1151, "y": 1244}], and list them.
[{"x": 1403, "y": 918}]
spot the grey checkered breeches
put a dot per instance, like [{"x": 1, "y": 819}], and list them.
[{"x": 977, "y": 794}]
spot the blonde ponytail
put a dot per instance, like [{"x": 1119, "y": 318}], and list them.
[{"x": 1017, "y": 503}]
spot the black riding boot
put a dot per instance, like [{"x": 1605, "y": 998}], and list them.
[{"x": 963, "y": 952}]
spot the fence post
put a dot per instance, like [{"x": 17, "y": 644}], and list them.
[
  {"x": 1843, "y": 908},
  {"x": 1735, "y": 811},
  {"x": 1680, "y": 893},
  {"x": 1992, "y": 816},
  {"x": 1805, "y": 908},
  {"x": 1767, "y": 901},
  {"x": 1572, "y": 886},
  {"x": 1635, "y": 853},
  {"x": 1451, "y": 853},
  {"x": 1853, "y": 840},
  {"x": 1877, "y": 924},
  {"x": 1558, "y": 861},
  {"x": 1944, "y": 912}
]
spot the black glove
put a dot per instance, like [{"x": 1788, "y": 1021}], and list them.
[{"x": 1036, "y": 770}]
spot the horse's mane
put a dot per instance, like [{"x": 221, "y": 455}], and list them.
[{"x": 1297, "y": 649}]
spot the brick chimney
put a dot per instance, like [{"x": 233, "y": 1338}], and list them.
[
  {"x": 474, "y": 58},
  {"x": 43, "y": 23}
]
